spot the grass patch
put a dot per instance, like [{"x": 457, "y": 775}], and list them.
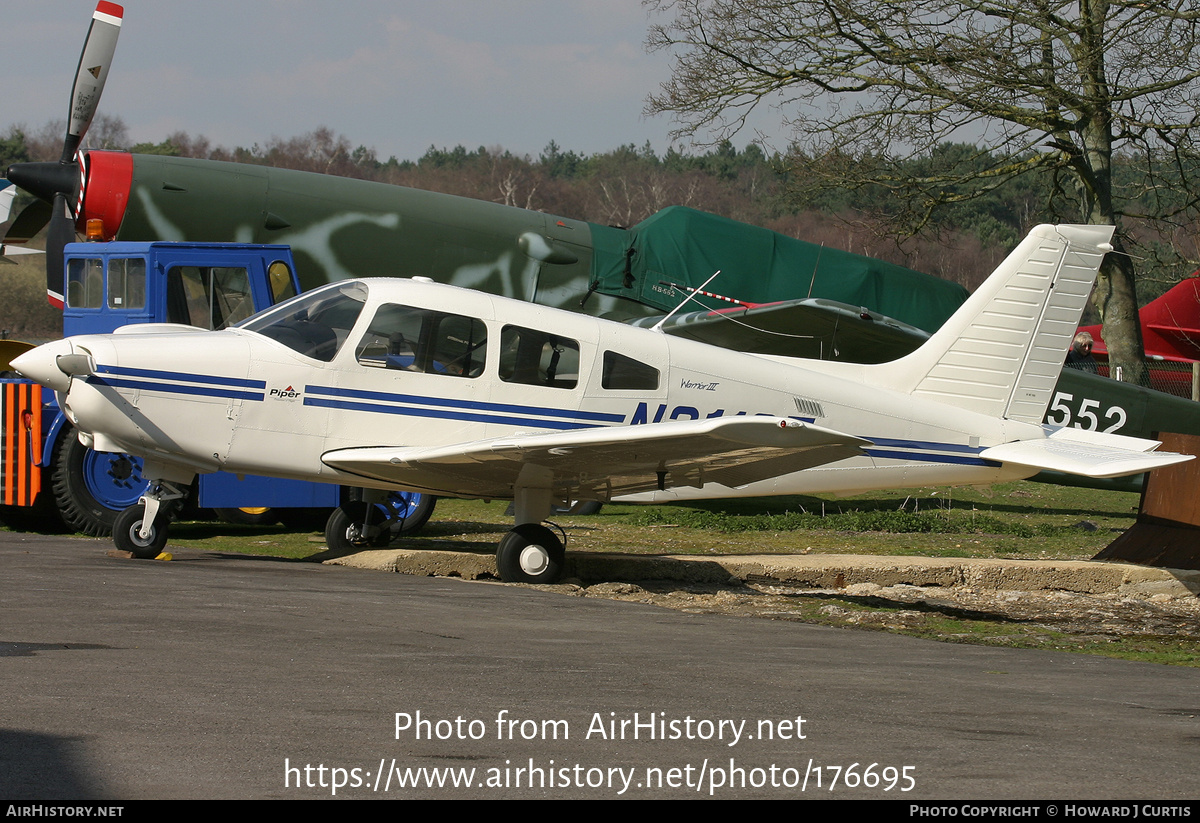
[
  {"x": 1013, "y": 521},
  {"x": 872, "y": 520}
]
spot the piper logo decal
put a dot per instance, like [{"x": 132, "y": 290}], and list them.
[{"x": 284, "y": 394}]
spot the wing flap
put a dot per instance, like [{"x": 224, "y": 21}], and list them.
[{"x": 608, "y": 462}]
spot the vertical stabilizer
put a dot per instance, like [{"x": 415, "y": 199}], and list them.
[{"x": 1002, "y": 351}]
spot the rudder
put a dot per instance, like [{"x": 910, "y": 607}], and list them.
[{"x": 1001, "y": 353}]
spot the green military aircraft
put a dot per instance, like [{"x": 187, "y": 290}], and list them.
[{"x": 791, "y": 297}]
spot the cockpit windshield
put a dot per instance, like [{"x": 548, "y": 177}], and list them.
[{"x": 315, "y": 324}]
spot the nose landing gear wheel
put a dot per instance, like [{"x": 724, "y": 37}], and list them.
[
  {"x": 126, "y": 535},
  {"x": 530, "y": 553}
]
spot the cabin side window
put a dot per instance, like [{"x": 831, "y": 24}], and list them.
[
  {"x": 85, "y": 283},
  {"x": 538, "y": 358},
  {"x": 423, "y": 340},
  {"x": 127, "y": 283},
  {"x": 621, "y": 372}
]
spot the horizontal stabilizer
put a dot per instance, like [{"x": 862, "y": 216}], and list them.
[
  {"x": 1090, "y": 454},
  {"x": 603, "y": 463}
]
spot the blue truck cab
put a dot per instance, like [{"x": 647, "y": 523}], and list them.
[
  {"x": 209, "y": 285},
  {"x": 47, "y": 474}
]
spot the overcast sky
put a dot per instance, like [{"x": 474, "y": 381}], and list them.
[{"x": 395, "y": 75}]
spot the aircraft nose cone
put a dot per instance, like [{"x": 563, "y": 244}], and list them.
[
  {"x": 42, "y": 365},
  {"x": 44, "y": 180}
]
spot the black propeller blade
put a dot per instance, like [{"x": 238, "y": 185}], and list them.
[{"x": 57, "y": 185}]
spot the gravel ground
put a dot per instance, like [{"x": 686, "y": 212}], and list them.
[{"x": 910, "y": 607}]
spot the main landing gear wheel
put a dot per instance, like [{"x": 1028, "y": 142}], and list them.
[
  {"x": 347, "y": 529},
  {"x": 530, "y": 553},
  {"x": 401, "y": 515},
  {"x": 127, "y": 538}
]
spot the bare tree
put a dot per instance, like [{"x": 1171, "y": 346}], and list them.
[
  {"x": 510, "y": 175},
  {"x": 1053, "y": 86},
  {"x": 319, "y": 150},
  {"x": 108, "y": 131},
  {"x": 46, "y": 143}
]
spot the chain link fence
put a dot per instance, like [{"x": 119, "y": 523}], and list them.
[{"x": 1179, "y": 379}]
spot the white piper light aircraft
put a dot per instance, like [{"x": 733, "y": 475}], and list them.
[{"x": 407, "y": 384}]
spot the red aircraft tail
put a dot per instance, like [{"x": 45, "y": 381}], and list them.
[{"x": 1170, "y": 324}]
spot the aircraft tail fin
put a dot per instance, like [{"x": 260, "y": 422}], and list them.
[
  {"x": 1001, "y": 353},
  {"x": 1171, "y": 324}
]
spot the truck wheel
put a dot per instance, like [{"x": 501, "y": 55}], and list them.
[
  {"x": 409, "y": 512},
  {"x": 126, "y": 526},
  {"x": 91, "y": 487}
]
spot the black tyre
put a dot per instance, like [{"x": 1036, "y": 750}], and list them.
[
  {"x": 91, "y": 488},
  {"x": 343, "y": 530},
  {"x": 126, "y": 535},
  {"x": 530, "y": 553}
]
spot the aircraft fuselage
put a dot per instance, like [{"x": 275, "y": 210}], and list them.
[{"x": 238, "y": 400}]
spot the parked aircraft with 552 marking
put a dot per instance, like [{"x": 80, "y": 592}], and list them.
[{"x": 381, "y": 384}]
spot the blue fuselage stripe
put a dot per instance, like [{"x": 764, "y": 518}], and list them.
[
  {"x": 889, "y": 443},
  {"x": 175, "y": 388},
  {"x": 185, "y": 377},
  {"x": 507, "y": 408},
  {"x": 931, "y": 457},
  {"x": 446, "y": 414}
]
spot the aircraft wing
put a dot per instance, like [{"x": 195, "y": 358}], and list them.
[
  {"x": 1087, "y": 453},
  {"x": 603, "y": 463},
  {"x": 832, "y": 330}
]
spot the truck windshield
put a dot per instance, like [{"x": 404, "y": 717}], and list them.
[{"x": 315, "y": 324}]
